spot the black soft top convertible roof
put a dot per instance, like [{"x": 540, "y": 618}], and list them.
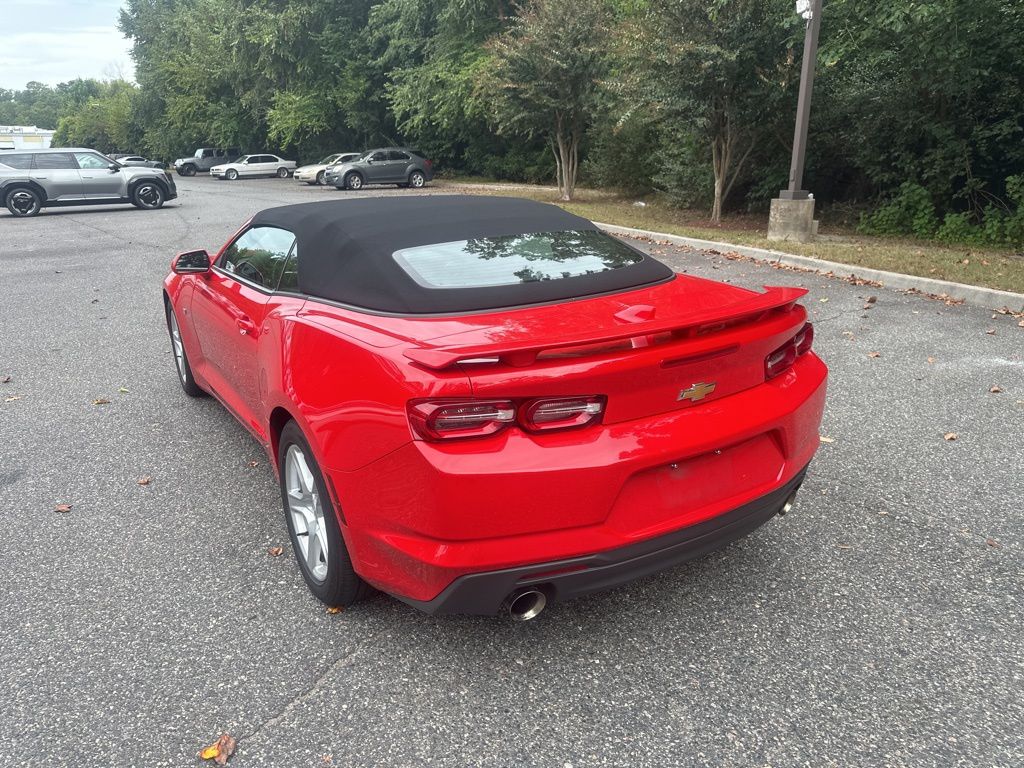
[{"x": 346, "y": 247}]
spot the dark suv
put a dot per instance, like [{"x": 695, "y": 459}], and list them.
[
  {"x": 391, "y": 165},
  {"x": 32, "y": 179}
]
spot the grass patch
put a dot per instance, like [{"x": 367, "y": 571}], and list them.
[{"x": 990, "y": 268}]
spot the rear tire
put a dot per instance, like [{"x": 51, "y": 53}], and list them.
[
  {"x": 313, "y": 524},
  {"x": 231, "y": 174},
  {"x": 148, "y": 195},
  {"x": 185, "y": 377},
  {"x": 417, "y": 180},
  {"x": 354, "y": 182},
  {"x": 23, "y": 202},
  {"x": 282, "y": 173}
]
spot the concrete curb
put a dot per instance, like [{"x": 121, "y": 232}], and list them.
[{"x": 986, "y": 298}]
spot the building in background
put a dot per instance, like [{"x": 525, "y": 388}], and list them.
[{"x": 24, "y": 137}]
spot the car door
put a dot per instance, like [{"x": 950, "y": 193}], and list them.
[
  {"x": 98, "y": 181},
  {"x": 265, "y": 165},
  {"x": 58, "y": 174},
  {"x": 228, "y": 310},
  {"x": 377, "y": 167},
  {"x": 398, "y": 165}
]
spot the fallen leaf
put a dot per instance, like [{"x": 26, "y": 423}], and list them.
[
  {"x": 6, "y": 380},
  {"x": 874, "y": 354},
  {"x": 843, "y": 546},
  {"x": 826, "y": 439},
  {"x": 123, "y": 390},
  {"x": 333, "y": 609},
  {"x": 991, "y": 331},
  {"x": 883, "y": 512},
  {"x": 867, "y": 306},
  {"x": 12, "y": 398},
  {"x": 252, "y": 464},
  {"x": 101, "y": 401},
  {"x": 144, "y": 480},
  {"x": 871, "y": 299},
  {"x": 62, "y": 508},
  {"x": 823, "y": 301},
  {"x": 95, "y": 301},
  {"x": 931, "y": 360},
  {"x": 220, "y": 751},
  {"x": 993, "y": 543},
  {"x": 996, "y": 390},
  {"x": 275, "y": 551},
  {"x": 951, "y": 436}
]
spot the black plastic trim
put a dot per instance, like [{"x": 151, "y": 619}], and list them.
[{"x": 484, "y": 593}]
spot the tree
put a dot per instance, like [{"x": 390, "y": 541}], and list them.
[
  {"x": 720, "y": 69},
  {"x": 544, "y": 77}
]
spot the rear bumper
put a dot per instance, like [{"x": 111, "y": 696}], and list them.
[{"x": 484, "y": 593}]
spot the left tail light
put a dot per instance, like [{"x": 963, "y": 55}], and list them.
[
  {"x": 437, "y": 420},
  {"x": 782, "y": 358}
]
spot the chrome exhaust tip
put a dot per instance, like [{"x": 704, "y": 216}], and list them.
[
  {"x": 525, "y": 604},
  {"x": 788, "y": 506}
]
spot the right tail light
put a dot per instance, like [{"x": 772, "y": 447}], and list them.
[
  {"x": 782, "y": 358},
  {"x": 437, "y": 420}
]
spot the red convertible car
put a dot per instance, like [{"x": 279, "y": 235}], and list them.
[{"x": 488, "y": 404}]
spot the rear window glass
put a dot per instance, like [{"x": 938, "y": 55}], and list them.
[
  {"x": 515, "y": 259},
  {"x": 21, "y": 162}
]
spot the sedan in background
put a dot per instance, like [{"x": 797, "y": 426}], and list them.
[
  {"x": 391, "y": 165},
  {"x": 254, "y": 165},
  {"x": 485, "y": 404},
  {"x": 136, "y": 161},
  {"x": 316, "y": 173}
]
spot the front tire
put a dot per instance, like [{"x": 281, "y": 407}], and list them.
[
  {"x": 321, "y": 178},
  {"x": 231, "y": 174},
  {"x": 313, "y": 524},
  {"x": 148, "y": 195},
  {"x": 187, "y": 170},
  {"x": 23, "y": 202},
  {"x": 185, "y": 377},
  {"x": 354, "y": 182}
]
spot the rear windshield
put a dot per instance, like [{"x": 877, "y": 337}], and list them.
[{"x": 515, "y": 259}]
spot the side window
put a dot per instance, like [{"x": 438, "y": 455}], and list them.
[
  {"x": 259, "y": 255},
  {"x": 89, "y": 162},
  {"x": 398, "y": 156},
  {"x": 21, "y": 162},
  {"x": 290, "y": 275},
  {"x": 48, "y": 161},
  {"x": 207, "y": 153},
  {"x": 378, "y": 157}
]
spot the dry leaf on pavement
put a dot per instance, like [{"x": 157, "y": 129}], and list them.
[
  {"x": 991, "y": 331},
  {"x": 12, "y": 398},
  {"x": 6, "y": 380},
  {"x": 332, "y": 609},
  {"x": 993, "y": 543},
  {"x": 826, "y": 439},
  {"x": 221, "y": 751},
  {"x": 101, "y": 401},
  {"x": 144, "y": 480},
  {"x": 931, "y": 360},
  {"x": 123, "y": 390},
  {"x": 874, "y": 354},
  {"x": 951, "y": 436},
  {"x": 275, "y": 551},
  {"x": 252, "y": 464},
  {"x": 62, "y": 508},
  {"x": 996, "y": 389}
]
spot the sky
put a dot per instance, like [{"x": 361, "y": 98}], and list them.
[{"x": 53, "y": 41}]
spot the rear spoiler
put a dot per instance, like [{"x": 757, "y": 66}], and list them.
[{"x": 522, "y": 353}]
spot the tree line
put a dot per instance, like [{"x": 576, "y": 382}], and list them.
[{"x": 918, "y": 114}]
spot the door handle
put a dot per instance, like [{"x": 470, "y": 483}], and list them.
[{"x": 245, "y": 326}]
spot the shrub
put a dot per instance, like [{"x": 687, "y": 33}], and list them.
[{"x": 910, "y": 212}]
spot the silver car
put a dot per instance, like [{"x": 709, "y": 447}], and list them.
[
  {"x": 32, "y": 179},
  {"x": 391, "y": 165}
]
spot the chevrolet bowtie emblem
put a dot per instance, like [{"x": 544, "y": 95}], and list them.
[{"x": 696, "y": 392}]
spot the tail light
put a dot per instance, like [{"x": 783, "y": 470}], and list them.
[
  {"x": 436, "y": 420},
  {"x": 783, "y": 357},
  {"x": 553, "y": 413},
  {"x": 447, "y": 419}
]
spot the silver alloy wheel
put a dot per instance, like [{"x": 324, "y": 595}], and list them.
[
  {"x": 179, "y": 350},
  {"x": 321, "y": 178},
  {"x": 282, "y": 173},
  {"x": 232, "y": 174},
  {"x": 148, "y": 195},
  {"x": 24, "y": 202},
  {"x": 307, "y": 513},
  {"x": 417, "y": 180},
  {"x": 355, "y": 181}
]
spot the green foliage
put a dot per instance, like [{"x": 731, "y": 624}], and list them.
[
  {"x": 910, "y": 212},
  {"x": 103, "y": 121}
]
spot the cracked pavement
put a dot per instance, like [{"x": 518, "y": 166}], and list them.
[{"x": 877, "y": 624}]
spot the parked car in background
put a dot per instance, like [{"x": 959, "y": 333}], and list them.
[
  {"x": 316, "y": 172},
  {"x": 204, "y": 159},
  {"x": 483, "y": 404},
  {"x": 254, "y": 165},
  {"x": 137, "y": 161},
  {"x": 33, "y": 179},
  {"x": 390, "y": 165}
]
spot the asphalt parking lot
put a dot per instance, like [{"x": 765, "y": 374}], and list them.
[{"x": 879, "y": 624}]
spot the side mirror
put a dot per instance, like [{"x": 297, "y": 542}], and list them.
[
  {"x": 191, "y": 263},
  {"x": 114, "y": 167}
]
